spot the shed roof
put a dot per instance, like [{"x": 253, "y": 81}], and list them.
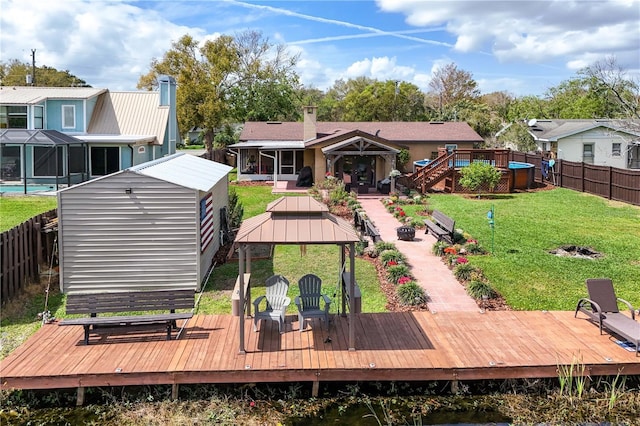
[
  {"x": 185, "y": 170},
  {"x": 296, "y": 220}
]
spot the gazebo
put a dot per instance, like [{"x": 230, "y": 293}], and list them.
[{"x": 303, "y": 221}]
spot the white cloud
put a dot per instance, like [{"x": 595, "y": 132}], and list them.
[
  {"x": 93, "y": 40},
  {"x": 530, "y": 31}
]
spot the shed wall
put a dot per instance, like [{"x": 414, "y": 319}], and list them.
[
  {"x": 220, "y": 193},
  {"x": 114, "y": 241}
]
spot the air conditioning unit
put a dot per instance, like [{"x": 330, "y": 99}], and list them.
[{"x": 29, "y": 79}]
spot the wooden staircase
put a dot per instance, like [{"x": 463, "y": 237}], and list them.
[
  {"x": 432, "y": 173},
  {"x": 444, "y": 167}
]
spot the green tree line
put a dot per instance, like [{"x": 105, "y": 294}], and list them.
[{"x": 245, "y": 77}]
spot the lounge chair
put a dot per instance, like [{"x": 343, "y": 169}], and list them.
[
  {"x": 310, "y": 300},
  {"x": 276, "y": 302},
  {"x": 602, "y": 307}
]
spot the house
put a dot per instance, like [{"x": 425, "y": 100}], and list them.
[
  {"x": 365, "y": 152},
  {"x": 153, "y": 226},
  {"x": 614, "y": 143},
  {"x": 104, "y": 131}
]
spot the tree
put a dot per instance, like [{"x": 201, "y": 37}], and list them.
[
  {"x": 453, "y": 89},
  {"x": 14, "y": 73},
  {"x": 610, "y": 80},
  {"x": 479, "y": 175},
  {"x": 227, "y": 80}
]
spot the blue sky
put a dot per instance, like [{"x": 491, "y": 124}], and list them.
[{"x": 523, "y": 47}]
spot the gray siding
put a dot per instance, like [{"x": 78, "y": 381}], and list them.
[
  {"x": 114, "y": 241},
  {"x": 220, "y": 194}
]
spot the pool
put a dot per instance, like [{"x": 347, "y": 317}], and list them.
[
  {"x": 31, "y": 189},
  {"x": 523, "y": 174}
]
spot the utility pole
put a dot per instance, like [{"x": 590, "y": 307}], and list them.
[{"x": 33, "y": 67}]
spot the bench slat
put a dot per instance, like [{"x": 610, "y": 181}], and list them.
[{"x": 442, "y": 226}]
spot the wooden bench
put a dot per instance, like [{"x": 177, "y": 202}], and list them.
[
  {"x": 442, "y": 226},
  {"x": 371, "y": 231},
  {"x": 134, "y": 301}
]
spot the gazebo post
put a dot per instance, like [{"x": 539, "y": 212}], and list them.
[
  {"x": 248, "y": 271},
  {"x": 352, "y": 286},
  {"x": 241, "y": 265},
  {"x": 343, "y": 247}
]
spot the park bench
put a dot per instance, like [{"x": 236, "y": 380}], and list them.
[
  {"x": 441, "y": 226},
  {"x": 133, "y": 301},
  {"x": 371, "y": 231}
]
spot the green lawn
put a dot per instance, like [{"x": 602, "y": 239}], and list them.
[
  {"x": 528, "y": 225},
  {"x": 16, "y": 209}
]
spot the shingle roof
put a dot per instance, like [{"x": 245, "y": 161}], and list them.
[
  {"x": 396, "y": 131},
  {"x": 552, "y": 130},
  {"x": 28, "y": 95}
]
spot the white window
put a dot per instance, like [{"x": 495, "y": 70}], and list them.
[
  {"x": 616, "y": 149},
  {"x": 38, "y": 117},
  {"x": 587, "y": 153},
  {"x": 68, "y": 116}
]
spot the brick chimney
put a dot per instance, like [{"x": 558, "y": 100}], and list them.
[{"x": 310, "y": 123}]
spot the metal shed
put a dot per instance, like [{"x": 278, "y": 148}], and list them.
[{"x": 149, "y": 227}]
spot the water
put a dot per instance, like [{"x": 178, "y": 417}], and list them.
[
  {"x": 463, "y": 163},
  {"x": 31, "y": 188}
]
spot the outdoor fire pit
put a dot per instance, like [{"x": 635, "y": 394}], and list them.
[{"x": 406, "y": 233}]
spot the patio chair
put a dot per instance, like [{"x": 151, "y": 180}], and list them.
[
  {"x": 602, "y": 307},
  {"x": 276, "y": 302},
  {"x": 310, "y": 300}
]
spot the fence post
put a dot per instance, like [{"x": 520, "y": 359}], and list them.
[{"x": 610, "y": 182}]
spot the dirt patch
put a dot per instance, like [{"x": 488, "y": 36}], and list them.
[{"x": 576, "y": 252}]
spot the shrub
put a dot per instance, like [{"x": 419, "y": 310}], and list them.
[
  {"x": 394, "y": 273},
  {"x": 392, "y": 255},
  {"x": 417, "y": 223},
  {"x": 411, "y": 294},
  {"x": 478, "y": 288},
  {"x": 474, "y": 248},
  {"x": 381, "y": 246},
  {"x": 464, "y": 271},
  {"x": 438, "y": 248}
]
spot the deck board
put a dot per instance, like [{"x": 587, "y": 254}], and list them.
[{"x": 389, "y": 346}]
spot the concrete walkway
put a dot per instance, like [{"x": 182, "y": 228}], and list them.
[{"x": 444, "y": 290}]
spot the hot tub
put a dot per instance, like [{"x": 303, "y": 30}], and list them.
[{"x": 523, "y": 174}]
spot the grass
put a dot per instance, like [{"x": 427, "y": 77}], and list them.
[
  {"x": 16, "y": 209},
  {"x": 529, "y": 225}
]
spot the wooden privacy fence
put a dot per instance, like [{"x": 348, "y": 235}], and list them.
[
  {"x": 608, "y": 182},
  {"x": 22, "y": 250}
]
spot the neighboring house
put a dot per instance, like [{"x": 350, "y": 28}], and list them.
[
  {"x": 614, "y": 143},
  {"x": 111, "y": 131},
  {"x": 153, "y": 226},
  {"x": 364, "y": 151}
]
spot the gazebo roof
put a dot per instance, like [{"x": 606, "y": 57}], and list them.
[{"x": 296, "y": 220}]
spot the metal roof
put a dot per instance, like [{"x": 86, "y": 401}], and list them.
[
  {"x": 553, "y": 130},
  {"x": 29, "y": 95},
  {"x": 185, "y": 170},
  {"x": 289, "y": 223},
  {"x": 134, "y": 114},
  {"x": 36, "y": 137}
]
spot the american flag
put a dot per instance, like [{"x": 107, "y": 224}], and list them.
[{"x": 206, "y": 221}]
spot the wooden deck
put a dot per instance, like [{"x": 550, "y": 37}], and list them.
[{"x": 390, "y": 346}]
